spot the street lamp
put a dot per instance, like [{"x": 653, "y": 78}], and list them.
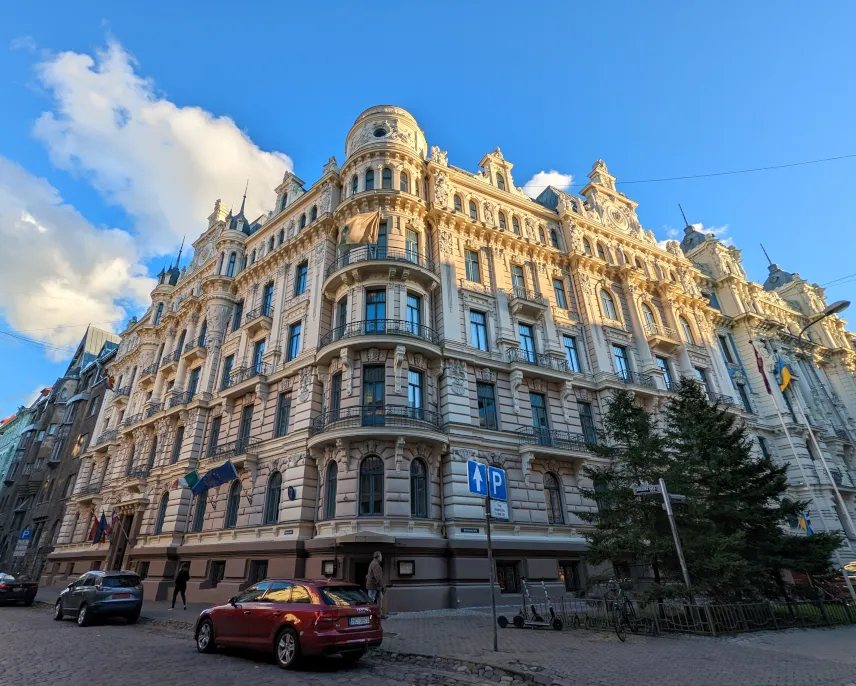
[{"x": 834, "y": 308}]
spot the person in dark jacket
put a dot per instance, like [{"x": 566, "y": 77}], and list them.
[{"x": 181, "y": 585}]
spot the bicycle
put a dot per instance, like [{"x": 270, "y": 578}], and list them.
[{"x": 621, "y": 608}]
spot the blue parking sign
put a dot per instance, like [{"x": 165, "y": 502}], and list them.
[
  {"x": 497, "y": 483},
  {"x": 477, "y": 477},
  {"x": 26, "y": 535}
]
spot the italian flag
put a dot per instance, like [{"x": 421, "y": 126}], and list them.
[{"x": 189, "y": 480}]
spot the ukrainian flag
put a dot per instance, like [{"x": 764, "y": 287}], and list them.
[
  {"x": 805, "y": 523},
  {"x": 783, "y": 374}
]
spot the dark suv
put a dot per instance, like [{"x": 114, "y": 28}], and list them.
[
  {"x": 102, "y": 594},
  {"x": 293, "y": 618}
]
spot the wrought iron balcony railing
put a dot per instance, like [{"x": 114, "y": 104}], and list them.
[
  {"x": 365, "y": 253},
  {"x": 133, "y": 419},
  {"x": 245, "y": 373},
  {"x": 151, "y": 369},
  {"x": 198, "y": 343},
  {"x": 399, "y": 416},
  {"x": 90, "y": 489},
  {"x": 720, "y": 398},
  {"x": 383, "y": 327},
  {"x": 629, "y": 377},
  {"x": 139, "y": 473},
  {"x": 107, "y": 436},
  {"x": 123, "y": 392},
  {"x": 181, "y": 398},
  {"x": 537, "y": 359},
  {"x": 555, "y": 438},
  {"x": 169, "y": 359},
  {"x": 842, "y": 434},
  {"x": 526, "y": 294},
  {"x": 258, "y": 312},
  {"x": 243, "y": 446},
  {"x": 152, "y": 409},
  {"x": 664, "y": 331}
]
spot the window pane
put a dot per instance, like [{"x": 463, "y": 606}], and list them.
[
  {"x": 487, "y": 405},
  {"x": 559, "y": 292},
  {"x": 478, "y": 330},
  {"x": 571, "y": 353}
]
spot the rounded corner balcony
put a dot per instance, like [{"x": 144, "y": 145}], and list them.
[
  {"x": 374, "y": 333},
  {"x": 377, "y": 421},
  {"x": 364, "y": 261}
]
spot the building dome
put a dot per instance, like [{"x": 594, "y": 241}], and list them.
[
  {"x": 778, "y": 277},
  {"x": 384, "y": 126}
]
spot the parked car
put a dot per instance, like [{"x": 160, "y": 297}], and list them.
[
  {"x": 14, "y": 590},
  {"x": 101, "y": 594},
  {"x": 294, "y": 618}
]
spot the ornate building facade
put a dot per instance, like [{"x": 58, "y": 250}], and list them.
[{"x": 349, "y": 350}]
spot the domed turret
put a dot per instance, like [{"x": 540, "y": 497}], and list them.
[{"x": 383, "y": 125}]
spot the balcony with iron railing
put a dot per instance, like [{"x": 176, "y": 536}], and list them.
[
  {"x": 258, "y": 319},
  {"x": 522, "y": 301},
  {"x": 556, "y": 439},
  {"x": 169, "y": 361},
  {"x": 546, "y": 362},
  {"x": 241, "y": 452},
  {"x": 152, "y": 408},
  {"x": 236, "y": 382},
  {"x": 841, "y": 478},
  {"x": 181, "y": 398},
  {"x": 378, "y": 419},
  {"x": 147, "y": 376},
  {"x": 720, "y": 398},
  {"x": 11, "y": 472},
  {"x": 368, "y": 259},
  {"x": 133, "y": 419},
  {"x": 196, "y": 350},
  {"x": 842, "y": 434},
  {"x": 629, "y": 378},
  {"x": 89, "y": 489},
  {"x": 121, "y": 395},
  {"x": 366, "y": 332},
  {"x": 662, "y": 338},
  {"x": 106, "y": 437}
]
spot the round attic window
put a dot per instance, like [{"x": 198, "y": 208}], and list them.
[{"x": 380, "y": 132}]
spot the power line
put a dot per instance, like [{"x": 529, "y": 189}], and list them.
[{"x": 46, "y": 346}]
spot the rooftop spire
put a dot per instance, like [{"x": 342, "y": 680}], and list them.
[
  {"x": 686, "y": 223},
  {"x": 245, "y": 197},
  {"x": 178, "y": 261},
  {"x": 769, "y": 261}
]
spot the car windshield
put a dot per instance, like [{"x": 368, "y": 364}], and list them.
[
  {"x": 344, "y": 595},
  {"x": 123, "y": 581}
]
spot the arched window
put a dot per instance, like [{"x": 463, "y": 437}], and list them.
[
  {"x": 608, "y": 305},
  {"x": 418, "y": 489},
  {"x": 386, "y": 178},
  {"x": 648, "y": 316},
  {"x": 281, "y": 238},
  {"x": 474, "y": 213},
  {"x": 284, "y": 202},
  {"x": 270, "y": 244},
  {"x": 500, "y": 182},
  {"x": 355, "y": 184},
  {"x": 274, "y": 490},
  {"x": 458, "y": 206},
  {"x": 554, "y": 238},
  {"x": 199, "y": 512},
  {"x": 369, "y": 179},
  {"x": 586, "y": 246},
  {"x": 230, "y": 270},
  {"x": 553, "y": 498},
  {"x": 403, "y": 183},
  {"x": 164, "y": 503},
  {"x": 686, "y": 330},
  {"x": 371, "y": 486},
  {"x": 515, "y": 225},
  {"x": 232, "y": 503},
  {"x": 158, "y": 314},
  {"x": 601, "y": 253},
  {"x": 313, "y": 213},
  {"x": 303, "y": 220},
  {"x": 502, "y": 221},
  {"x": 330, "y": 491}
]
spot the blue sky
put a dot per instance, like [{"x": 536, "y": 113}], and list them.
[{"x": 655, "y": 89}]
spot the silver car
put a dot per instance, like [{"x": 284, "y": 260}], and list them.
[{"x": 101, "y": 594}]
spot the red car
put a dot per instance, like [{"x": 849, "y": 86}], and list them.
[{"x": 294, "y": 618}]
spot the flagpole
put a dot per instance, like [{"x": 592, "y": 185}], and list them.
[{"x": 836, "y": 552}]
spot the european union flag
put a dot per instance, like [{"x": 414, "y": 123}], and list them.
[{"x": 218, "y": 476}]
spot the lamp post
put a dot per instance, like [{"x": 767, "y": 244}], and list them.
[{"x": 834, "y": 308}]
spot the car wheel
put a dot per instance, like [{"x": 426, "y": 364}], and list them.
[
  {"x": 29, "y": 601},
  {"x": 58, "y": 610},
  {"x": 133, "y": 618},
  {"x": 205, "y": 637},
  {"x": 352, "y": 658},
  {"x": 83, "y": 615},
  {"x": 287, "y": 648}
]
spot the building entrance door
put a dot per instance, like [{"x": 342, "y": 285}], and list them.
[{"x": 361, "y": 570}]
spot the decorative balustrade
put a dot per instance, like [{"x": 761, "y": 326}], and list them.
[
  {"x": 244, "y": 374},
  {"x": 381, "y": 327},
  {"x": 368, "y": 253},
  {"x": 555, "y": 438},
  {"x": 537, "y": 359},
  {"x": 107, "y": 436},
  {"x": 398, "y": 416}
]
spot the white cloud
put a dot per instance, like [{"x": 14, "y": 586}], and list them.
[
  {"x": 23, "y": 43},
  {"x": 162, "y": 163},
  {"x": 542, "y": 179},
  {"x": 60, "y": 271},
  {"x": 672, "y": 232},
  {"x": 675, "y": 234}
]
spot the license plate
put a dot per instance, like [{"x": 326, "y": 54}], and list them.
[
  {"x": 119, "y": 596},
  {"x": 359, "y": 621}
]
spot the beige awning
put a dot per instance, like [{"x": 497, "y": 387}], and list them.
[{"x": 363, "y": 228}]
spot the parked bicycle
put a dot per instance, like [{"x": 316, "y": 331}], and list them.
[{"x": 621, "y": 608}]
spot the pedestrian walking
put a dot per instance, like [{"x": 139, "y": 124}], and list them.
[
  {"x": 374, "y": 581},
  {"x": 181, "y": 584}
]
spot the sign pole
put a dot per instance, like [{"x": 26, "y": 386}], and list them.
[
  {"x": 490, "y": 566},
  {"x": 667, "y": 504}
]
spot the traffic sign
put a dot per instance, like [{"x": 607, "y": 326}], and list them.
[
  {"x": 497, "y": 482},
  {"x": 498, "y": 509},
  {"x": 477, "y": 477},
  {"x": 646, "y": 489},
  {"x": 26, "y": 535}
]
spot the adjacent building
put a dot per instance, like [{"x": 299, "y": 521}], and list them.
[{"x": 349, "y": 350}]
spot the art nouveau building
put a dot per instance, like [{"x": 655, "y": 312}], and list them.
[{"x": 349, "y": 351}]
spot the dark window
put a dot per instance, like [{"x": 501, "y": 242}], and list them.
[
  {"x": 726, "y": 350},
  {"x": 369, "y": 179},
  {"x": 130, "y": 465},
  {"x": 601, "y": 253},
  {"x": 232, "y": 504},
  {"x": 571, "y": 353},
  {"x": 687, "y": 331},
  {"x": 376, "y": 311},
  {"x": 474, "y": 215},
  {"x": 587, "y": 422},
  {"x": 293, "y": 340},
  {"x": 342, "y": 313},
  {"x": 540, "y": 421},
  {"x": 371, "y": 486},
  {"x": 502, "y": 222},
  {"x": 486, "y": 395},
  {"x": 303, "y": 221},
  {"x": 244, "y": 429},
  {"x": 214, "y": 435},
  {"x": 267, "y": 300},
  {"x": 228, "y": 363},
  {"x": 374, "y": 395},
  {"x": 330, "y": 490},
  {"x": 193, "y": 382},
  {"x": 176, "y": 446},
  {"x": 472, "y": 266},
  {"x": 622, "y": 365},
  {"x": 258, "y": 571},
  {"x": 158, "y": 314},
  {"x": 230, "y": 269},
  {"x": 143, "y": 569},
  {"x": 355, "y": 184},
  {"x": 403, "y": 183},
  {"x": 300, "y": 278},
  {"x": 553, "y": 499},
  {"x": 554, "y": 238},
  {"x": 663, "y": 366},
  {"x": 500, "y": 182},
  {"x": 199, "y": 511},
  {"x": 218, "y": 571},
  {"x": 283, "y": 202},
  {"x": 239, "y": 314},
  {"x": 313, "y": 213},
  {"x": 418, "y": 489},
  {"x": 569, "y": 574},
  {"x": 386, "y": 178},
  {"x": 413, "y": 313},
  {"x": 415, "y": 391},
  {"x": 744, "y": 397},
  {"x": 559, "y": 292},
  {"x": 153, "y": 451},
  {"x": 515, "y": 225},
  {"x": 527, "y": 342},
  {"x": 762, "y": 444},
  {"x": 281, "y": 237},
  {"x": 164, "y": 502},
  {"x": 274, "y": 491},
  {"x": 701, "y": 377},
  {"x": 608, "y": 305},
  {"x": 283, "y": 414},
  {"x": 458, "y": 206},
  {"x": 478, "y": 330},
  {"x": 508, "y": 576},
  {"x": 810, "y": 451},
  {"x": 335, "y": 395}
]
